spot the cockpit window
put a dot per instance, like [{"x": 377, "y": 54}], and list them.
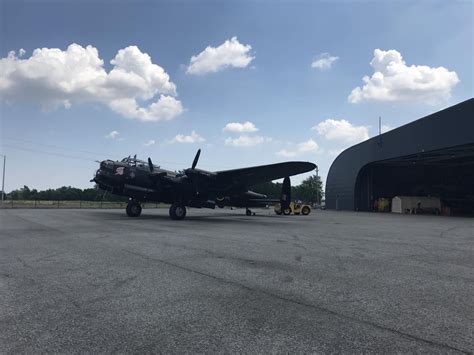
[{"x": 135, "y": 162}]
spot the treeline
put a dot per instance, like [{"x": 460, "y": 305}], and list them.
[
  {"x": 310, "y": 190},
  {"x": 65, "y": 193}
]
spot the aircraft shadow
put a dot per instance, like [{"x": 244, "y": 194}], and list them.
[{"x": 207, "y": 218}]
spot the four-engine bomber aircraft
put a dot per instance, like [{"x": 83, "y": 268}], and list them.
[{"x": 142, "y": 181}]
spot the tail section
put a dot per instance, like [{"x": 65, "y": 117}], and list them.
[{"x": 285, "y": 197}]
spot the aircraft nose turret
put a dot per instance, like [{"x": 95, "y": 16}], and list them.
[{"x": 105, "y": 168}]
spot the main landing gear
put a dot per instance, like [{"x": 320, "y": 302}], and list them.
[
  {"x": 177, "y": 211},
  {"x": 134, "y": 209}
]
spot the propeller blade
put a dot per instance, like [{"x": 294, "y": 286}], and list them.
[
  {"x": 150, "y": 165},
  {"x": 196, "y": 158}
]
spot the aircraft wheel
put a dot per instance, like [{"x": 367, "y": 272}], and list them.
[
  {"x": 133, "y": 209},
  {"x": 305, "y": 211},
  {"x": 287, "y": 211},
  {"x": 278, "y": 213},
  {"x": 248, "y": 212},
  {"x": 177, "y": 211}
]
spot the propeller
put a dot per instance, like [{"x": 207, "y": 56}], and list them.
[
  {"x": 150, "y": 164},
  {"x": 190, "y": 172},
  {"x": 196, "y": 158}
]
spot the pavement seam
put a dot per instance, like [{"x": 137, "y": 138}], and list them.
[{"x": 300, "y": 303}]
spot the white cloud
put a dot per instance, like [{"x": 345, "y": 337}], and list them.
[
  {"x": 342, "y": 131},
  {"x": 393, "y": 80},
  {"x": 192, "y": 138},
  {"x": 240, "y": 127},
  {"x": 335, "y": 152},
  {"x": 310, "y": 146},
  {"x": 231, "y": 53},
  {"x": 112, "y": 135},
  {"x": 386, "y": 128},
  {"x": 21, "y": 52},
  {"x": 287, "y": 153},
  {"x": 246, "y": 140},
  {"x": 324, "y": 61},
  {"x": 52, "y": 78},
  {"x": 149, "y": 143}
]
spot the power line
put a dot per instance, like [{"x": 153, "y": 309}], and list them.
[
  {"x": 178, "y": 164},
  {"x": 95, "y": 154},
  {"x": 52, "y": 146},
  {"x": 48, "y": 153}
]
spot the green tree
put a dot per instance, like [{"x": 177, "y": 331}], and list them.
[{"x": 310, "y": 190}]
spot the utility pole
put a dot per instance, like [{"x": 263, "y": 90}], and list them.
[
  {"x": 380, "y": 131},
  {"x": 3, "y": 179}
]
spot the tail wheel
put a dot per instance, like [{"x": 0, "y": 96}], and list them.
[
  {"x": 177, "y": 211},
  {"x": 133, "y": 209},
  {"x": 248, "y": 212},
  {"x": 287, "y": 211},
  {"x": 306, "y": 210}
]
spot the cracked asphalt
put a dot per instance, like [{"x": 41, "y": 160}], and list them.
[{"x": 95, "y": 281}]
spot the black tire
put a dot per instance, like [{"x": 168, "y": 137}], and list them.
[
  {"x": 287, "y": 211},
  {"x": 305, "y": 210},
  {"x": 177, "y": 211},
  {"x": 133, "y": 209},
  {"x": 278, "y": 213},
  {"x": 248, "y": 212}
]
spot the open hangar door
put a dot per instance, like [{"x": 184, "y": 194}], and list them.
[{"x": 446, "y": 173}]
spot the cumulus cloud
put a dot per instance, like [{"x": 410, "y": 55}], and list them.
[
  {"x": 246, "y": 140},
  {"x": 324, "y": 61},
  {"x": 21, "y": 52},
  {"x": 386, "y": 128},
  {"x": 149, "y": 143},
  {"x": 335, "y": 152},
  {"x": 112, "y": 135},
  {"x": 238, "y": 127},
  {"x": 342, "y": 131},
  {"x": 310, "y": 146},
  {"x": 192, "y": 138},
  {"x": 52, "y": 78},
  {"x": 231, "y": 53},
  {"x": 393, "y": 80}
]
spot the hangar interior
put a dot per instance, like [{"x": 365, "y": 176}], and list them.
[{"x": 446, "y": 173}]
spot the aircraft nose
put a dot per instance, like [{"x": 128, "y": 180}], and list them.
[{"x": 104, "y": 166}]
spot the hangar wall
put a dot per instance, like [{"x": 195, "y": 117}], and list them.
[{"x": 451, "y": 129}]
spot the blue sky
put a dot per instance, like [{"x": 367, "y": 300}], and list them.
[{"x": 302, "y": 112}]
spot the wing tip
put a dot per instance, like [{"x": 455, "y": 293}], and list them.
[{"x": 307, "y": 165}]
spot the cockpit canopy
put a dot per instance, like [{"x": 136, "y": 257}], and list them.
[{"x": 136, "y": 163}]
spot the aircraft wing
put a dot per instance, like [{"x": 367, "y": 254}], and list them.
[{"x": 247, "y": 177}]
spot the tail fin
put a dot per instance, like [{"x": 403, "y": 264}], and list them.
[{"x": 285, "y": 197}]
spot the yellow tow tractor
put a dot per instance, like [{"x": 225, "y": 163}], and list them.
[{"x": 294, "y": 208}]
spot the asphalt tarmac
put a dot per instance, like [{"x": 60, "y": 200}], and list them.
[{"x": 91, "y": 281}]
